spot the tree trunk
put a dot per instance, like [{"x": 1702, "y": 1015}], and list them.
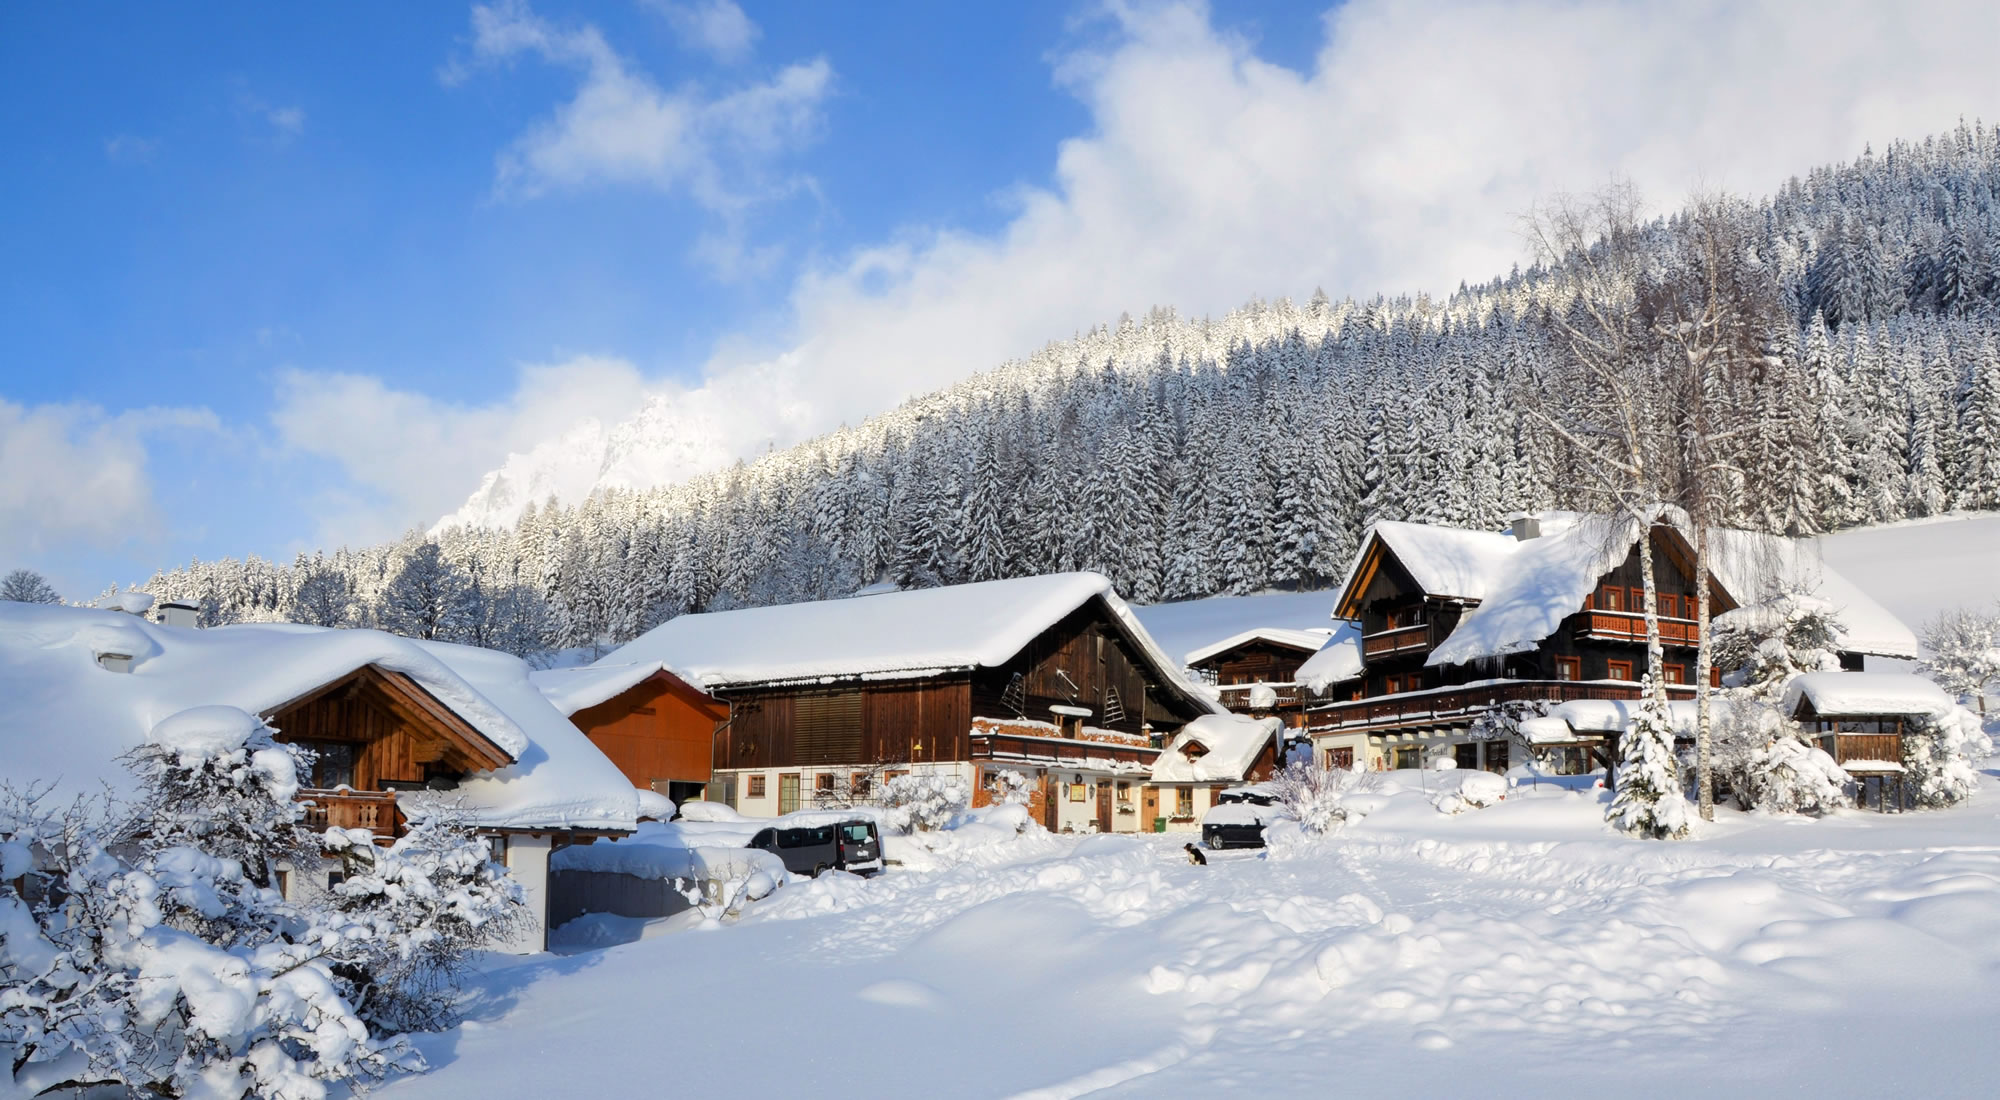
[
  {"x": 1703, "y": 659},
  {"x": 1655, "y": 652}
]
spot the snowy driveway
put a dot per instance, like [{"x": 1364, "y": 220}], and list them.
[{"x": 1511, "y": 951}]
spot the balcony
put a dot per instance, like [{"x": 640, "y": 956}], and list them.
[
  {"x": 1403, "y": 639},
  {"x": 351, "y": 809},
  {"x": 1629, "y": 626},
  {"x": 1450, "y": 705}
]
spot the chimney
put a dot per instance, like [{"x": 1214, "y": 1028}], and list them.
[
  {"x": 1526, "y": 528},
  {"x": 181, "y": 613}
]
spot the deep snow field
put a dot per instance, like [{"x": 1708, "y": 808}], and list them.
[{"x": 1511, "y": 951}]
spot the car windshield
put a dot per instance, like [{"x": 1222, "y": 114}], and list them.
[{"x": 854, "y": 833}]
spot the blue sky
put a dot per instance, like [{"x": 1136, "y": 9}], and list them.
[{"x": 279, "y": 276}]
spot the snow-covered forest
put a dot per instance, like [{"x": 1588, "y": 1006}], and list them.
[{"x": 1187, "y": 457}]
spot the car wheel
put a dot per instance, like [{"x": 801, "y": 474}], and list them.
[{"x": 819, "y": 870}]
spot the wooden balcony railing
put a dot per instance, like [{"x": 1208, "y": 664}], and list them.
[
  {"x": 1384, "y": 643},
  {"x": 1441, "y": 705},
  {"x": 1238, "y": 695},
  {"x": 349, "y": 809},
  {"x": 1844, "y": 747},
  {"x": 1627, "y": 626}
]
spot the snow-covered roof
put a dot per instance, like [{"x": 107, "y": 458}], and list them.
[
  {"x": 919, "y": 632},
  {"x": 1538, "y": 583},
  {"x": 1834, "y": 694},
  {"x": 1308, "y": 640},
  {"x": 1534, "y": 586},
  {"x": 574, "y": 689},
  {"x": 1231, "y": 741},
  {"x": 1448, "y": 562},
  {"x": 67, "y": 719},
  {"x": 1339, "y": 659},
  {"x": 1751, "y": 565}
]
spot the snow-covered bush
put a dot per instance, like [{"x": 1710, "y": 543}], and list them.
[
  {"x": 1315, "y": 796},
  {"x": 1761, "y": 647},
  {"x": 426, "y": 903},
  {"x": 1473, "y": 790},
  {"x": 1010, "y": 788},
  {"x": 924, "y": 801},
  {"x": 1964, "y": 647},
  {"x": 159, "y": 966},
  {"x": 1941, "y": 756},
  {"x": 1789, "y": 776},
  {"x": 1649, "y": 801}
]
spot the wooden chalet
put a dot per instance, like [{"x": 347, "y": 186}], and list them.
[
  {"x": 1050, "y": 676},
  {"x": 1257, "y": 672},
  {"x": 1454, "y": 623},
  {"x": 391, "y": 723},
  {"x": 1210, "y": 755},
  {"x": 655, "y": 726},
  {"x": 1860, "y": 719}
]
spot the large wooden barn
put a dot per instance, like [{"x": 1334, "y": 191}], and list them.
[{"x": 1049, "y": 676}]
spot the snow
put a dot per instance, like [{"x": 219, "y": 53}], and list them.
[
  {"x": 1189, "y": 624},
  {"x": 1957, "y": 551},
  {"x": 1447, "y": 562},
  {"x": 664, "y": 851},
  {"x": 1483, "y": 949},
  {"x": 920, "y": 632},
  {"x": 575, "y": 689},
  {"x": 1534, "y": 585},
  {"x": 653, "y": 804},
  {"x": 1308, "y": 640},
  {"x": 1337, "y": 661},
  {"x": 1834, "y": 694},
  {"x": 68, "y": 720},
  {"x": 1232, "y": 740}
]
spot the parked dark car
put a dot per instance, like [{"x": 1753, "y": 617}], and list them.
[
  {"x": 850, "y": 845},
  {"x": 1238, "y": 818}
]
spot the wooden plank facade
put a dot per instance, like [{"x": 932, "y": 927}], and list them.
[
  {"x": 660, "y": 733},
  {"x": 1259, "y": 661}
]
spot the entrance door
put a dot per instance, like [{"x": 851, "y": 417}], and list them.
[
  {"x": 1151, "y": 813},
  {"x": 1051, "y": 790},
  {"x": 1103, "y": 807},
  {"x": 788, "y": 793}
]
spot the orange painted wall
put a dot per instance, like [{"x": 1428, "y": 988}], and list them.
[{"x": 660, "y": 729}]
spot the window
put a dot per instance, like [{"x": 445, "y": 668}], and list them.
[
  {"x": 1340, "y": 758},
  {"x": 1183, "y": 801},
  {"x": 1408, "y": 757},
  {"x": 1391, "y": 685},
  {"x": 1714, "y": 677},
  {"x": 333, "y": 763},
  {"x": 1674, "y": 674},
  {"x": 858, "y": 783},
  {"x": 496, "y": 849},
  {"x": 1611, "y": 598},
  {"x": 1466, "y": 755},
  {"x": 1496, "y": 757},
  {"x": 1637, "y": 601},
  {"x": 1618, "y": 670},
  {"x": 788, "y": 793},
  {"x": 823, "y": 783},
  {"x": 756, "y": 787},
  {"x": 1569, "y": 668}
]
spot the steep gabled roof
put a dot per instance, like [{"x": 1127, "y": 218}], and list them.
[
  {"x": 571, "y": 690},
  {"x": 1229, "y": 744},
  {"x": 895, "y": 635},
  {"x": 1338, "y": 660},
  {"x": 1834, "y": 694},
  {"x": 1450, "y": 563},
  {"x": 1305, "y": 641},
  {"x": 66, "y": 719}
]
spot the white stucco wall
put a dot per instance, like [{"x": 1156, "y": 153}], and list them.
[{"x": 528, "y": 861}]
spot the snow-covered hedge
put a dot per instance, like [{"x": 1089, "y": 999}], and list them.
[{"x": 924, "y": 801}]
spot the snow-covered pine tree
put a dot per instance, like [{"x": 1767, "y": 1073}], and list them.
[{"x": 1649, "y": 801}]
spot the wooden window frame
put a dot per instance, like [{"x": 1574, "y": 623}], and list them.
[
  {"x": 1573, "y": 665},
  {"x": 823, "y": 783},
  {"x": 1183, "y": 801},
  {"x": 1610, "y": 594},
  {"x": 756, "y": 786},
  {"x": 1635, "y": 600},
  {"x": 1673, "y": 673},
  {"x": 1613, "y": 667}
]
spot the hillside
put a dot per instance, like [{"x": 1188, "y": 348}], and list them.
[{"x": 1192, "y": 457}]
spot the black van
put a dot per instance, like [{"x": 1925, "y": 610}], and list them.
[{"x": 850, "y": 845}]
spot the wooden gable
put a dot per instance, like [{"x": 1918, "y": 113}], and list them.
[
  {"x": 660, "y": 730},
  {"x": 399, "y": 730},
  {"x": 1379, "y": 575}
]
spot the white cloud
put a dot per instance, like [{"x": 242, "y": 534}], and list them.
[
  {"x": 131, "y": 149},
  {"x": 622, "y": 128},
  {"x": 410, "y": 457},
  {"x": 286, "y": 123},
  {"x": 1400, "y": 161},
  {"x": 716, "y": 27},
  {"x": 75, "y": 474}
]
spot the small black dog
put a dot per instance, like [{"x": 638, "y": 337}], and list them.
[{"x": 1195, "y": 857}]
